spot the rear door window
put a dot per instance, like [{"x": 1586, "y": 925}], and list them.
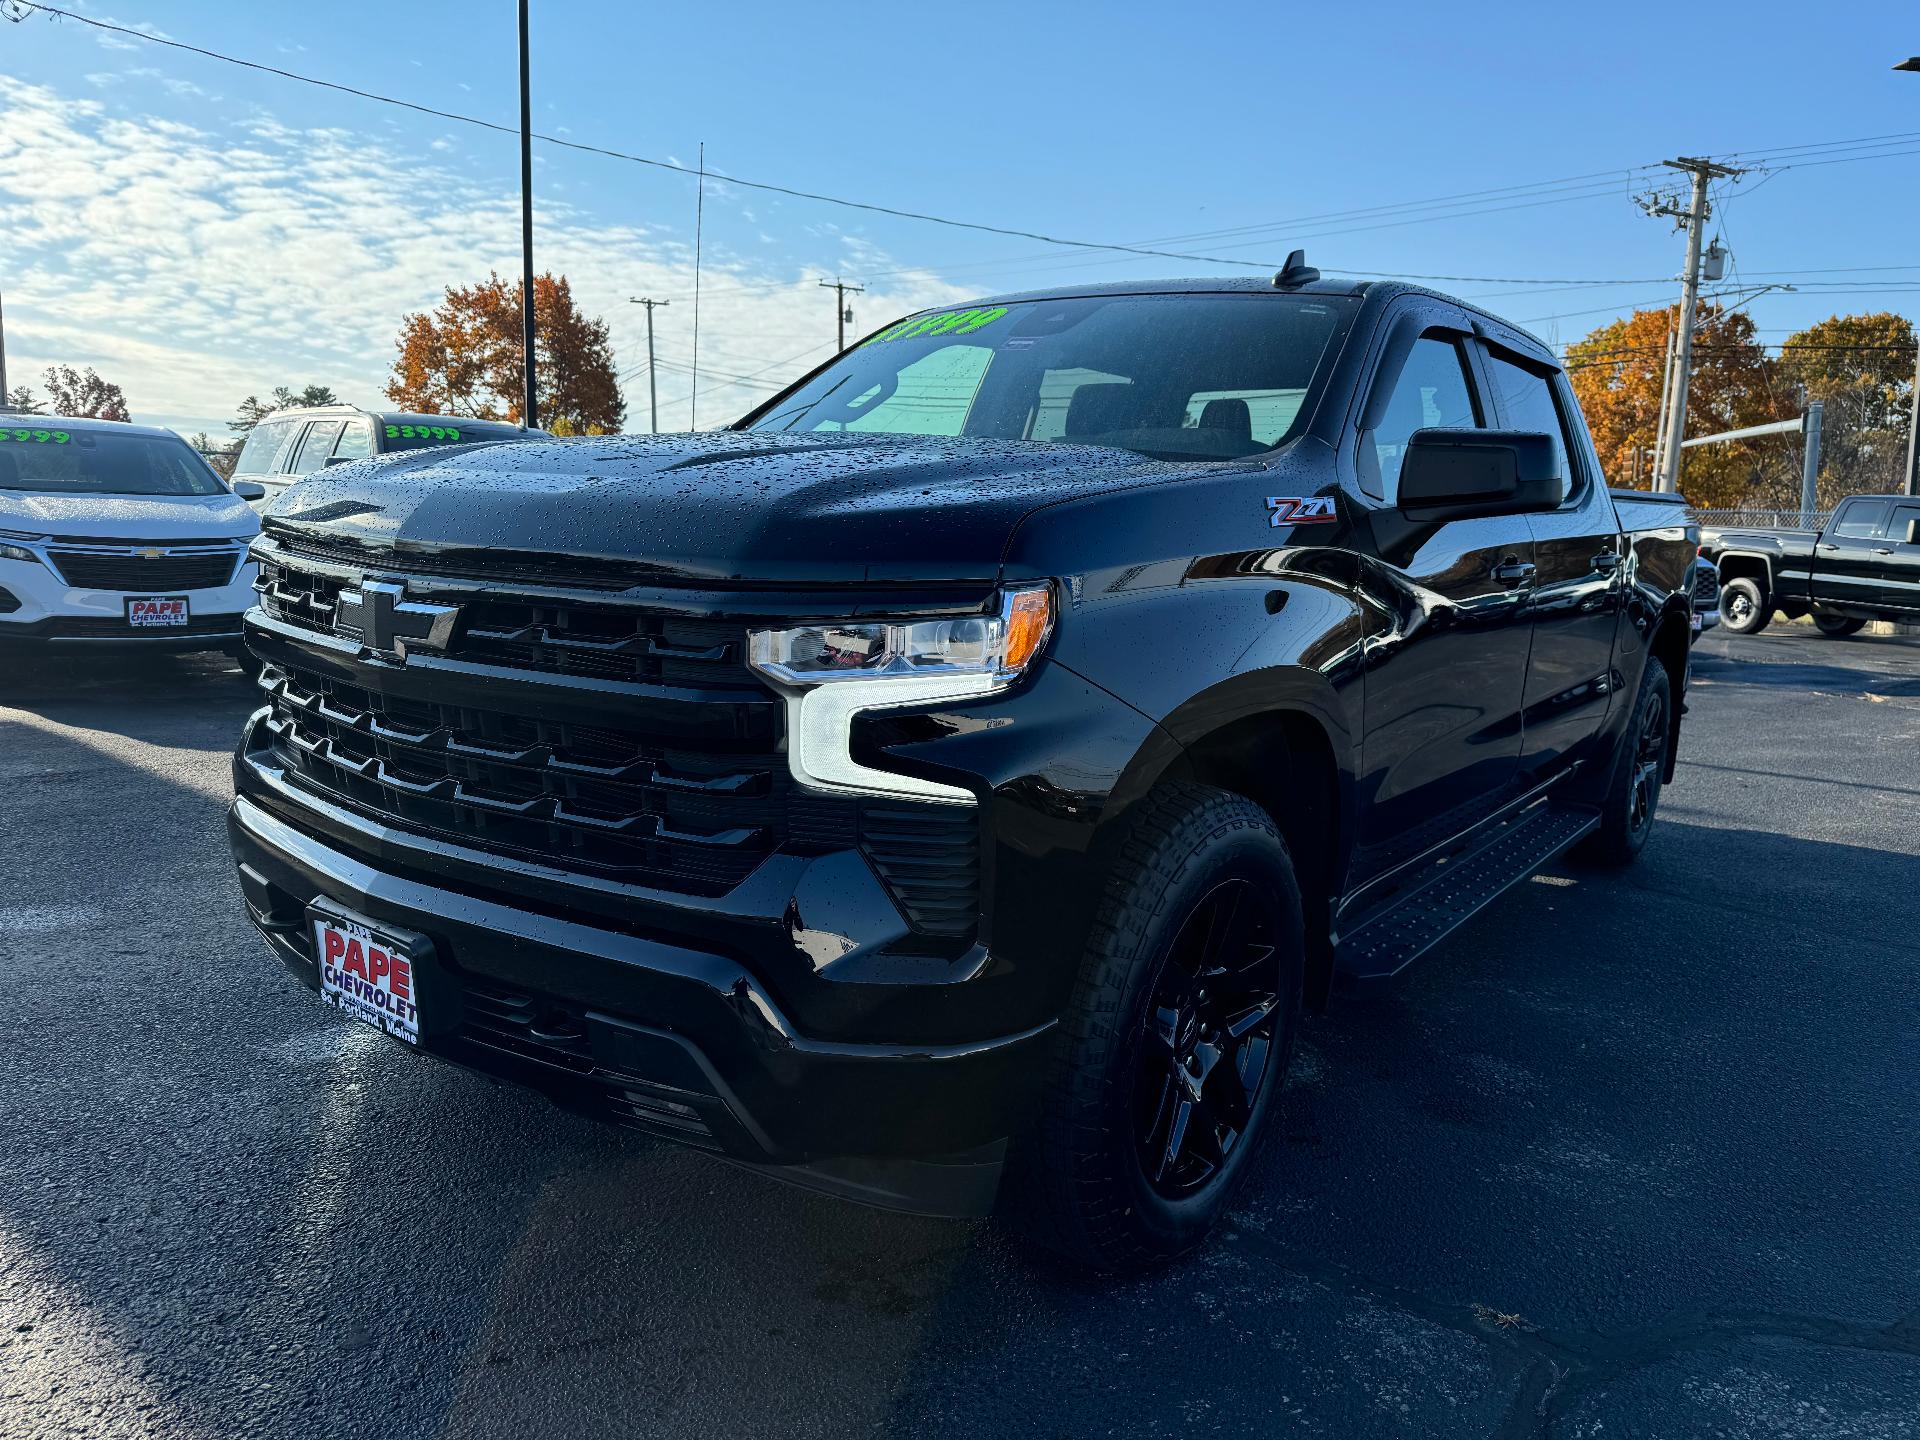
[
  {"x": 356, "y": 441},
  {"x": 1861, "y": 519},
  {"x": 1524, "y": 400},
  {"x": 1904, "y": 516},
  {"x": 314, "y": 450},
  {"x": 265, "y": 443}
]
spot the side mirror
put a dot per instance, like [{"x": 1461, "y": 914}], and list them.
[
  {"x": 1460, "y": 474},
  {"x": 249, "y": 490},
  {"x": 333, "y": 460}
]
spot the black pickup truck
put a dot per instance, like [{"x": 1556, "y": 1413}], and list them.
[
  {"x": 1865, "y": 565},
  {"x": 951, "y": 786}
]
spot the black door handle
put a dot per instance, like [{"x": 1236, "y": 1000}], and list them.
[
  {"x": 1607, "y": 561},
  {"x": 1828, "y": 545},
  {"x": 1514, "y": 572}
]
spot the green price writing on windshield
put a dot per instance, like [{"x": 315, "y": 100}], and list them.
[
  {"x": 953, "y": 322},
  {"x": 422, "y": 432},
  {"x": 34, "y": 437}
]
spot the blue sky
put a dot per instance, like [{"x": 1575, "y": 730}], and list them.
[{"x": 197, "y": 231}]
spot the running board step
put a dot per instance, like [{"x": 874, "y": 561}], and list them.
[{"x": 1454, "y": 887}]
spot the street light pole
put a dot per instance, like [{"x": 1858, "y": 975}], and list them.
[
  {"x": 530, "y": 409},
  {"x": 653, "y": 390}
]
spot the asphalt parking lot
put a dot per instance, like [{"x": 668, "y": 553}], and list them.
[{"x": 1628, "y": 1156}]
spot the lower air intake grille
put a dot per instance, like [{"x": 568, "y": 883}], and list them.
[{"x": 929, "y": 858}]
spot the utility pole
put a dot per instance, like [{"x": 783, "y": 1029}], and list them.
[
  {"x": 653, "y": 390},
  {"x": 3, "y": 355},
  {"x": 842, "y": 313},
  {"x": 1694, "y": 221},
  {"x": 1912, "y": 486},
  {"x": 530, "y": 410}
]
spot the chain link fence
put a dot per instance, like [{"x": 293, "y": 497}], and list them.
[{"x": 1793, "y": 519}]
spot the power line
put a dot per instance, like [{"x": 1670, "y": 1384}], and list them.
[
  {"x": 1589, "y": 185},
  {"x": 790, "y": 191}
]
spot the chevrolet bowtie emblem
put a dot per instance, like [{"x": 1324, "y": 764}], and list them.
[
  {"x": 151, "y": 554},
  {"x": 387, "y": 624}
]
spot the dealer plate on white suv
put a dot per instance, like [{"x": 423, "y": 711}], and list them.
[
  {"x": 158, "y": 612},
  {"x": 366, "y": 974}
]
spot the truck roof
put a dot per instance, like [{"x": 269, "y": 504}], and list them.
[{"x": 1374, "y": 292}]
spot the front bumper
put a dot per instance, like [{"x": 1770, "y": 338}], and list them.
[
  {"x": 38, "y": 608},
  {"x": 680, "y": 1017}
]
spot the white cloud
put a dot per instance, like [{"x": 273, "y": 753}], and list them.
[{"x": 195, "y": 266}]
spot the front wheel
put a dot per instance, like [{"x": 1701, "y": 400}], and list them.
[
  {"x": 1743, "y": 607},
  {"x": 1175, "y": 1042},
  {"x": 1837, "y": 625}
]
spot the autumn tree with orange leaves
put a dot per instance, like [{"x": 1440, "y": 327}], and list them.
[
  {"x": 463, "y": 358},
  {"x": 1617, "y": 372}
]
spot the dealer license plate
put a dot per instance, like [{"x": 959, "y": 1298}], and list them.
[
  {"x": 157, "y": 612},
  {"x": 367, "y": 974}
]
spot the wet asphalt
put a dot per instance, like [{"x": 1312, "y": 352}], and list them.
[{"x": 1629, "y": 1155}]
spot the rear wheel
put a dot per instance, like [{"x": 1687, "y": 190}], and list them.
[
  {"x": 1743, "y": 607},
  {"x": 1837, "y": 625},
  {"x": 1175, "y": 1042},
  {"x": 1639, "y": 772}
]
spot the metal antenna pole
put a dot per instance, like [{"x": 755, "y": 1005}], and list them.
[
  {"x": 530, "y": 408},
  {"x": 840, "y": 312},
  {"x": 653, "y": 390},
  {"x": 3, "y": 354}
]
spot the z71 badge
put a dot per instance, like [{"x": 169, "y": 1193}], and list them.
[{"x": 1287, "y": 510}]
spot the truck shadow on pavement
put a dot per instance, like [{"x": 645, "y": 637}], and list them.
[{"x": 1627, "y": 1150}]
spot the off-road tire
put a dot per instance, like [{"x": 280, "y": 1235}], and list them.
[
  {"x": 1076, "y": 1184},
  {"x": 1637, "y": 777}
]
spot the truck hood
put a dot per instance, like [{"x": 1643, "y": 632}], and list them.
[
  {"x": 706, "y": 508},
  {"x": 128, "y": 517}
]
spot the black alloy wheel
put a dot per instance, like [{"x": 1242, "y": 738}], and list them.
[
  {"x": 1208, "y": 1038},
  {"x": 1649, "y": 763}
]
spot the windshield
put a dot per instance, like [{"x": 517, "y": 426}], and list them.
[
  {"x": 101, "y": 462},
  {"x": 1187, "y": 377}
]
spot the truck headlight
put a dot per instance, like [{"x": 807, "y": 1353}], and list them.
[
  {"x": 829, "y": 672},
  {"x": 15, "y": 552}
]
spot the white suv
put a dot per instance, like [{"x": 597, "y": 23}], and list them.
[{"x": 117, "y": 534}]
